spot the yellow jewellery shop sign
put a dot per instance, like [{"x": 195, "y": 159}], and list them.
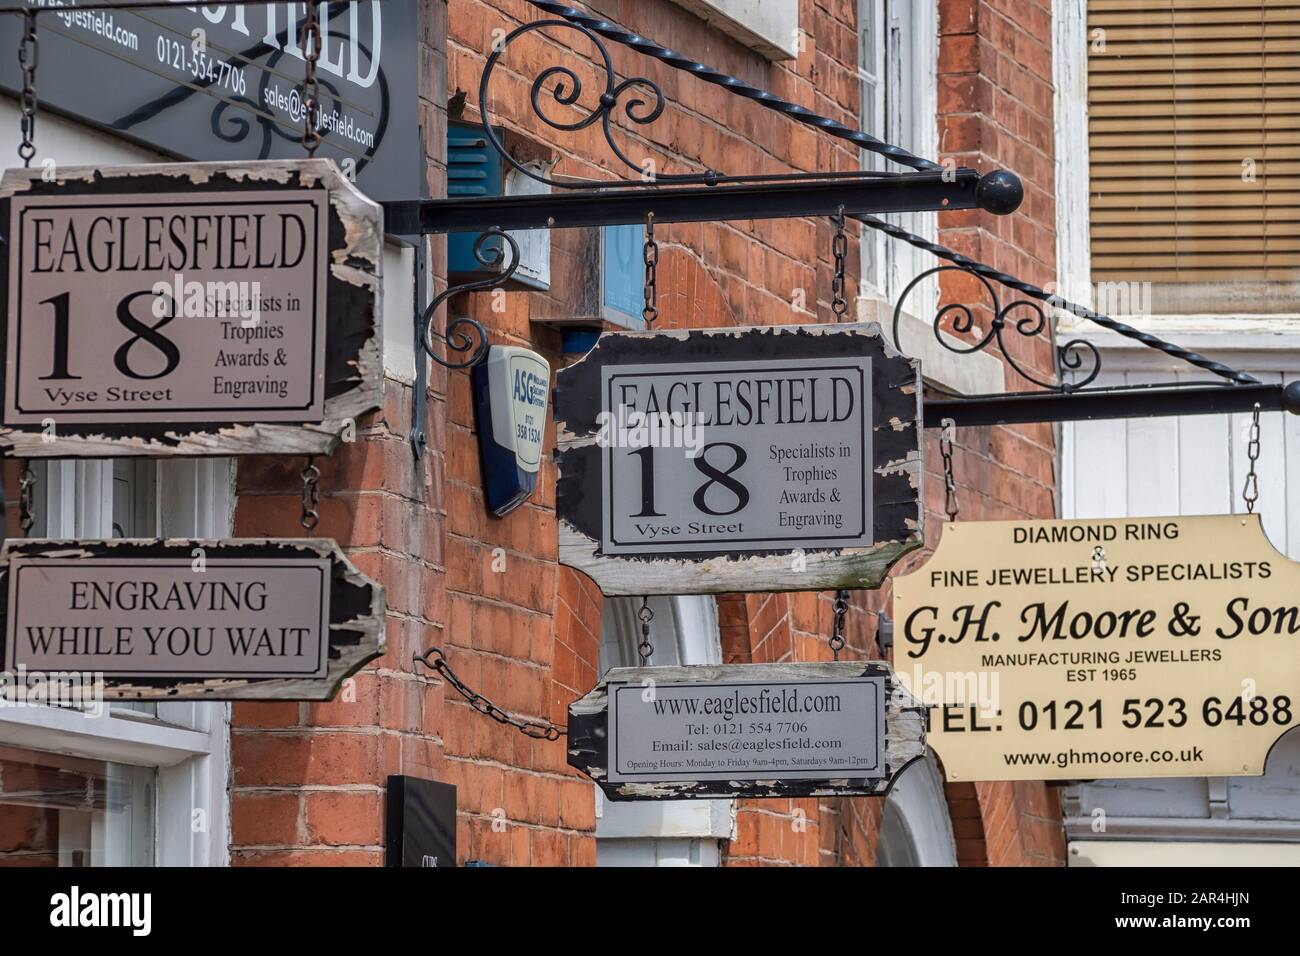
[{"x": 1136, "y": 647}]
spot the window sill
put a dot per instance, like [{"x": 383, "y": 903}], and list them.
[
  {"x": 143, "y": 743},
  {"x": 769, "y": 27},
  {"x": 714, "y": 819}
]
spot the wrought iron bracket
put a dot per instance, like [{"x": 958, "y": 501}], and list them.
[
  {"x": 1078, "y": 356},
  {"x": 495, "y": 249},
  {"x": 999, "y": 192}
]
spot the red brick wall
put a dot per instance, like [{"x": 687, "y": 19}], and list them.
[
  {"x": 308, "y": 778},
  {"x": 995, "y": 111}
]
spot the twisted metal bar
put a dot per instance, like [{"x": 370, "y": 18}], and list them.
[
  {"x": 1055, "y": 301},
  {"x": 709, "y": 74},
  {"x": 798, "y": 113}
]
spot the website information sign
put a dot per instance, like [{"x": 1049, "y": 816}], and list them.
[{"x": 755, "y": 730}]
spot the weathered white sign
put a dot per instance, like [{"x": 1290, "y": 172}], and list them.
[
  {"x": 188, "y": 309},
  {"x": 190, "y": 619},
  {"x": 765, "y": 730},
  {"x": 781, "y": 458}
]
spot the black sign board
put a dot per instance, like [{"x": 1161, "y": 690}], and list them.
[
  {"x": 188, "y": 309},
  {"x": 222, "y": 81},
  {"x": 780, "y": 458},
  {"x": 746, "y": 730},
  {"x": 420, "y": 823},
  {"x": 240, "y": 619}
]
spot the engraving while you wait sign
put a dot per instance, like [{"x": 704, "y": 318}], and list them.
[
  {"x": 187, "y": 309},
  {"x": 189, "y": 620},
  {"x": 1136, "y": 647},
  {"x": 781, "y": 458}
]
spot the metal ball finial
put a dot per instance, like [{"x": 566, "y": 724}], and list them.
[{"x": 1000, "y": 192}]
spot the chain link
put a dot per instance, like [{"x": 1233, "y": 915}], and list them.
[
  {"x": 310, "y": 497},
  {"x": 646, "y": 615},
  {"x": 28, "y": 55},
  {"x": 949, "y": 482},
  {"x": 26, "y": 491},
  {"x": 841, "y": 606},
  {"x": 651, "y": 310},
  {"x": 436, "y": 660},
  {"x": 1250, "y": 491},
  {"x": 839, "y": 284},
  {"x": 311, "y": 46}
]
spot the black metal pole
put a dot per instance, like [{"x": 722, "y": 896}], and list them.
[
  {"x": 1126, "y": 403},
  {"x": 907, "y": 192}
]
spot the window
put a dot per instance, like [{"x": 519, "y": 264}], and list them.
[
  {"x": 622, "y": 275},
  {"x": 151, "y": 776},
  {"x": 898, "y": 62},
  {"x": 60, "y": 810},
  {"x": 1192, "y": 137}
]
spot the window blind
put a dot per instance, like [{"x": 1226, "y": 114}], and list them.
[{"x": 1194, "y": 140}]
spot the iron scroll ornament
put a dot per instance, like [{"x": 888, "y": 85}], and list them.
[
  {"x": 1077, "y": 355},
  {"x": 464, "y": 334},
  {"x": 567, "y": 91}
]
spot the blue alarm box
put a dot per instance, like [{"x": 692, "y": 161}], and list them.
[{"x": 512, "y": 388}]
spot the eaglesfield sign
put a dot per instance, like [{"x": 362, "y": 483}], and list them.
[
  {"x": 754, "y": 459},
  {"x": 188, "y": 309},
  {"x": 1065, "y": 650}
]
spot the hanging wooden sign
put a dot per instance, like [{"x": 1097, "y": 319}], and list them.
[
  {"x": 188, "y": 309},
  {"x": 746, "y": 730},
  {"x": 1134, "y": 647},
  {"x": 781, "y": 458},
  {"x": 242, "y": 619}
]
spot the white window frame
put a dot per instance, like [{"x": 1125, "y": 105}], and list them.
[
  {"x": 898, "y": 74},
  {"x": 187, "y": 743},
  {"x": 898, "y": 68}
]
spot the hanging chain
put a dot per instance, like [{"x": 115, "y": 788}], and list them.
[
  {"x": 949, "y": 482},
  {"x": 647, "y": 615},
  {"x": 310, "y": 496},
  {"x": 26, "y": 490},
  {"x": 434, "y": 659},
  {"x": 839, "y": 251},
  {"x": 311, "y": 44},
  {"x": 651, "y": 310},
  {"x": 841, "y": 611},
  {"x": 1250, "y": 491},
  {"x": 28, "y": 54}
]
